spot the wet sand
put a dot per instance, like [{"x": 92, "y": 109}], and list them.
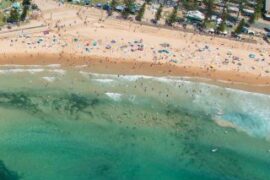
[{"x": 239, "y": 80}]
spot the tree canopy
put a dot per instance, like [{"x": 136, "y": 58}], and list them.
[
  {"x": 141, "y": 12},
  {"x": 240, "y": 26},
  {"x": 14, "y": 15},
  {"x": 172, "y": 17},
  {"x": 159, "y": 12},
  {"x": 128, "y": 8}
]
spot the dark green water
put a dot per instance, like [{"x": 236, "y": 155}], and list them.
[{"x": 88, "y": 126}]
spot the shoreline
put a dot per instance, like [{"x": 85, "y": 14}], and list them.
[
  {"x": 108, "y": 65},
  {"x": 76, "y": 37}
]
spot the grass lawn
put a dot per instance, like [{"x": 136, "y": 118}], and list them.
[
  {"x": 98, "y": 1},
  {"x": 210, "y": 24},
  {"x": 1, "y": 19},
  {"x": 5, "y": 3}
]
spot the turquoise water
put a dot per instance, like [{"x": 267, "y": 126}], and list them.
[{"x": 74, "y": 124}]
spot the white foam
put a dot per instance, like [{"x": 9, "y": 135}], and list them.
[
  {"x": 58, "y": 71},
  {"x": 134, "y": 77},
  {"x": 30, "y": 66},
  {"x": 166, "y": 79},
  {"x": 19, "y": 66},
  {"x": 104, "y": 80},
  {"x": 98, "y": 75},
  {"x": 81, "y": 66},
  {"x": 54, "y": 65},
  {"x": 49, "y": 79},
  {"x": 114, "y": 96},
  {"x": 12, "y": 71}
]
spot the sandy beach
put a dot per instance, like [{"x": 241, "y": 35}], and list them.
[
  {"x": 85, "y": 36},
  {"x": 85, "y": 96}
]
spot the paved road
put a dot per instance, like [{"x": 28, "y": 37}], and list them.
[{"x": 261, "y": 25}]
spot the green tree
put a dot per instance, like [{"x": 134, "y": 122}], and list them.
[
  {"x": 190, "y": 4},
  {"x": 224, "y": 16},
  {"x": 14, "y": 15},
  {"x": 26, "y": 2},
  {"x": 240, "y": 26},
  {"x": 24, "y": 13},
  {"x": 258, "y": 10},
  {"x": 209, "y": 8},
  {"x": 251, "y": 19},
  {"x": 141, "y": 12},
  {"x": 128, "y": 8},
  {"x": 158, "y": 13},
  {"x": 148, "y": 1},
  {"x": 241, "y": 7},
  {"x": 113, "y": 4},
  {"x": 172, "y": 17}
]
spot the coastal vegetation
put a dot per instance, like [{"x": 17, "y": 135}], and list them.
[
  {"x": 240, "y": 26},
  {"x": 141, "y": 13},
  {"x": 14, "y": 12},
  {"x": 158, "y": 13},
  {"x": 172, "y": 17},
  {"x": 221, "y": 17}
]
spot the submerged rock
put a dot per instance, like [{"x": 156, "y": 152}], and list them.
[{"x": 6, "y": 174}]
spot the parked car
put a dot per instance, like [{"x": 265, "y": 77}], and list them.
[
  {"x": 224, "y": 33},
  {"x": 154, "y": 21},
  {"x": 230, "y": 24},
  {"x": 106, "y": 7},
  {"x": 246, "y": 30},
  {"x": 235, "y": 35},
  {"x": 267, "y": 16},
  {"x": 120, "y": 8},
  {"x": 267, "y": 29},
  {"x": 99, "y": 5},
  {"x": 211, "y": 31}
]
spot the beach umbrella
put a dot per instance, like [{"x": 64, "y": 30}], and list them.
[
  {"x": 164, "y": 51},
  {"x": 252, "y": 56},
  {"x": 46, "y": 32}
]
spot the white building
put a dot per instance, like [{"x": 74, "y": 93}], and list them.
[{"x": 267, "y": 6}]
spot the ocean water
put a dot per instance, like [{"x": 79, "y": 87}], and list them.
[{"x": 69, "y": 124}]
